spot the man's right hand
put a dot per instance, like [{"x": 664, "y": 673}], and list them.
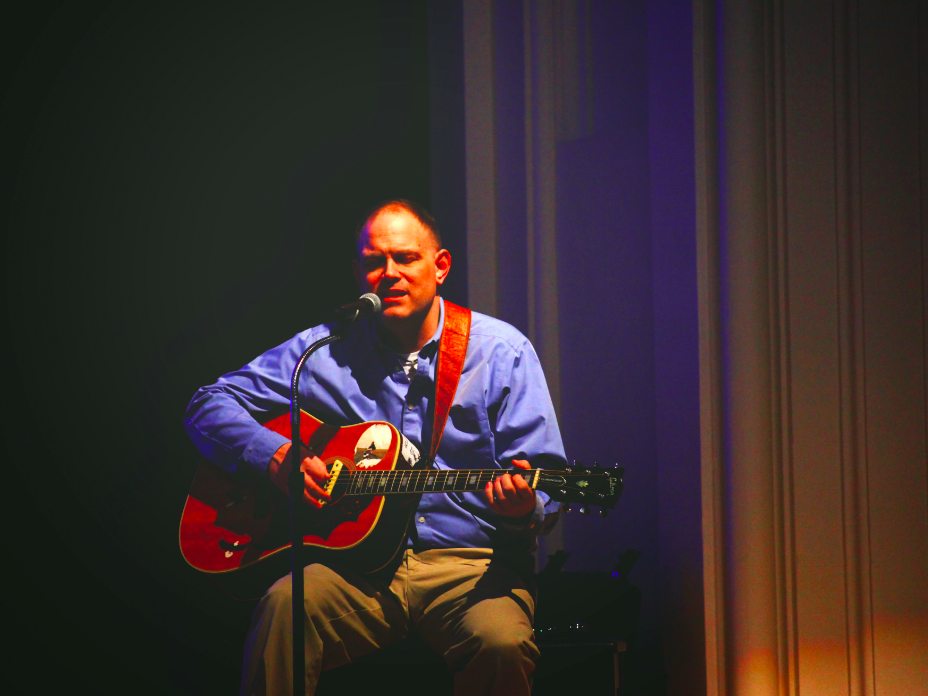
[{"x": 314, "y": 474}]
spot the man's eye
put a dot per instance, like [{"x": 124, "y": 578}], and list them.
[{"x": 371, "y": 263}]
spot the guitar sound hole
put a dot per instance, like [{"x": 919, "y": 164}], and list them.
[
  {"x": 262, "y": 503},
  {"x": 347, "y": 509}
]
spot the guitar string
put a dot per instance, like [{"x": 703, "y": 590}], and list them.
[
  {"x": 392, "y": 480},
  {"x": 371, "y": 472},
  {"x": 451, "y": 473}
]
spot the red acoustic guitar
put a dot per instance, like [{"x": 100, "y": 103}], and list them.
[{"x": 229, "y": 527}]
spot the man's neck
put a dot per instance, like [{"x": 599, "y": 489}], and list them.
[{"x": 410, "y": 335}]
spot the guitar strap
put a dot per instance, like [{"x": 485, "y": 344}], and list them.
[{"x": 452, "y": 347}]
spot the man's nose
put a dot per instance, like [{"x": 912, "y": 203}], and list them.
[{"x": 390, "y": 270}]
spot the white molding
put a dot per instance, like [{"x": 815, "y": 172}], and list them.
[
  {"x": 480, "y": 157},
  {"x": 705, "y": 106},
  {"x": 851, "y": 354},
  {"x": 541, "y": 180}
]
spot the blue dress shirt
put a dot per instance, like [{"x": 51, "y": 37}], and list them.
[{"x": 501, "y": 411}]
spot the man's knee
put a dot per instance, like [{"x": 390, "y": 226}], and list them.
[
  {"x": 505, "y": 641},
  {"x": 497, "y": 654},
  {"x": 315, "y": 589}
]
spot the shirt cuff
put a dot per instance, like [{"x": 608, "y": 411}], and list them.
[
  {"x": 261, "y": 448},
  {"x": 529, "y": 523}
]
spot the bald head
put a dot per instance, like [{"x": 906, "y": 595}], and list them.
[{"x": 400, "y": 205}]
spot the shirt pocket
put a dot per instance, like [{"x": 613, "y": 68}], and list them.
[{"x": 469, "y": 438}]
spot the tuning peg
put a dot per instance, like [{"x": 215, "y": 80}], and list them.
[
  {"x": 581, "y": 494},
  {"x": 584, "y": 510},
  {"x": 601, "y": 496},
  {"x": 603, "y": 512},
  {"x": 566, "y": 507}
]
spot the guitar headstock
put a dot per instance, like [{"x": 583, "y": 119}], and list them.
[{"x": 585, "y": 485}]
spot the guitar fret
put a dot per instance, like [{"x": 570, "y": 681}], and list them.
[{"x": 426, "y": 480}]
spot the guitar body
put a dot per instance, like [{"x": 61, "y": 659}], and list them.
[{"x": 237, "y": 527}]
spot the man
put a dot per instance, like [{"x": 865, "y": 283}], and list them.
[{"x": 463, "y": 581}]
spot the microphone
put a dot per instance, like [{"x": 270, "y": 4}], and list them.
[{"x": 366, "y": 305}]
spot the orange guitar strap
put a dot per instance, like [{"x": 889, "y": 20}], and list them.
[{"x": 451, "y": 351}]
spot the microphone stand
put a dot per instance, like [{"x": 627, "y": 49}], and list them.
[
  {"x": 368, "y": 303},
  {"x": 296, "y": 513}
]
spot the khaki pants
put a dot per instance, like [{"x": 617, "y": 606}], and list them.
[{"x": 472, "y": 610}]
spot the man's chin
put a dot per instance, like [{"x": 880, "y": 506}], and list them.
[
  {"x": 402, "y": 313},
  {"x": 395, "y": 310}
]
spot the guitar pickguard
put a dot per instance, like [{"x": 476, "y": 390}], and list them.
[{"x": 322, "y": 523}]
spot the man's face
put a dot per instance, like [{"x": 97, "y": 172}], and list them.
[{"x": 400, "y": 261}]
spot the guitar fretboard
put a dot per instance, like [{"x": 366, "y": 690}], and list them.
[{"x": 427, "y": 480}]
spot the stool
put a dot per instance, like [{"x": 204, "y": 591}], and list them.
[
  {"x": 589, "y": 666},
  {"x": 408, "y": 666}
]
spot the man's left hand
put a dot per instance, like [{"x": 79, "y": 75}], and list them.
[{"x": 510, "y": 495}]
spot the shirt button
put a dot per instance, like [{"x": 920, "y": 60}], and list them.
[
  {"x": 411, "y": 407},
  {"x": 422, "y": 520}
]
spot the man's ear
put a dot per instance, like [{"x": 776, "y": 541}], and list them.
[
  {"x": 442, "y": 265},
  {"x": 356, "y": 267}
]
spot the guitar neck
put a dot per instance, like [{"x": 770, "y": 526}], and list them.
[{"x": 434, "y": 480}]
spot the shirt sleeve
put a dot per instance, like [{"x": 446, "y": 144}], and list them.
[
  {"x": 223, "y": 418},
  {"x": 526, "y": 428}
]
